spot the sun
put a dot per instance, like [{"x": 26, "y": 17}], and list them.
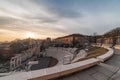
[{"x": 30, "y": 35}]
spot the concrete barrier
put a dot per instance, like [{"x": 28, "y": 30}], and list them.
[{"x": 106, "y": 56}]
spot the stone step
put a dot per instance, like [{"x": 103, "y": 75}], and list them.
[{"x": 109, "y": 67}]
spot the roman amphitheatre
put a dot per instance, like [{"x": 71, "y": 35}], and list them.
[{"x": 73, "y": 57}]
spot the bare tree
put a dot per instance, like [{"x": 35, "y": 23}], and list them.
[{"x": 114, "y": 33}]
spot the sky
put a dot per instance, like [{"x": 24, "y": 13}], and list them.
[{"x": 55, "y": 18}]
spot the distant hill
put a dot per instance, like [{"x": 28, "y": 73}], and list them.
[{"x": 113, "y": 32}]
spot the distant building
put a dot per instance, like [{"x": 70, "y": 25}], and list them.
[
  {"x": 4, "y": 45},
  {"x": 30, "y": 54},
  {"x": 72, "y": 40},
  {"x": 48, "y": 39},
  {"x": 111, "y": 37},
  {"x": 118, "y": 40}
]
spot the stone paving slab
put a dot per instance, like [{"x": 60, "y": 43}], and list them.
[
  {"x": 109, "y": 67},
  {"x": 104, "y": 71},
  {"x": 99, "y": 76},
  {"x": 116, "y": 76}
]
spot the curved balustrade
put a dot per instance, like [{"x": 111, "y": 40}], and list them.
[{"x": 106, "y": 56}]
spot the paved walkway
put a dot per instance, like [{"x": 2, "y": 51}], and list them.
[{"x": 110, "y": 70}]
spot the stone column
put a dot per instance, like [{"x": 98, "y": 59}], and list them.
[{"x": 12, "y": 63}]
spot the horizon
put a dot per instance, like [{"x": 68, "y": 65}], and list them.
[{"x": 40, "y": 19}]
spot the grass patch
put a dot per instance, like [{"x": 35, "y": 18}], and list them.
[
  {"x": 94, "y": 52},
  {"x": 92, "y": 49}
]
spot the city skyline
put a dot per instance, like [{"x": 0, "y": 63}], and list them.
[{"x": 55, "y": 18}]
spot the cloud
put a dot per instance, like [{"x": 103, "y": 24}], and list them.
[
  {"x": 65, "y": 13},
  {"x": 60, "y": 8},
  {"x": 59, "y": 17},
  {"x": 6, "y": 20}
]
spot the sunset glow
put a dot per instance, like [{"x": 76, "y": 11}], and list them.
[
  {"x": 56, "y": 18},
  {"x": 30, "y": 35}
]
